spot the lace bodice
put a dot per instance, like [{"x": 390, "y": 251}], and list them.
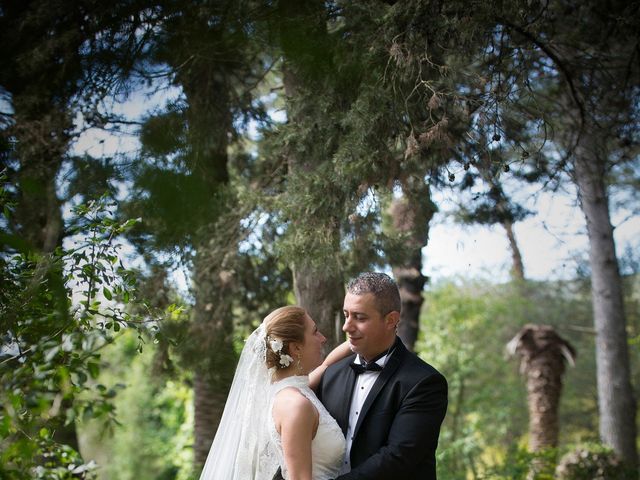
[{"x": 328, "y": 445}]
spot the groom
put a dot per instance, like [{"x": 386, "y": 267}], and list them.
[{"x": 389, "y": 403}]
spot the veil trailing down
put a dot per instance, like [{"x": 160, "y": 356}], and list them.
[{"x": 241, "y": 449}]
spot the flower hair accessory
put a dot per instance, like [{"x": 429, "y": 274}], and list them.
[
  {"x": 285, "y": 360},
  {"x": 276, "y": 345}
]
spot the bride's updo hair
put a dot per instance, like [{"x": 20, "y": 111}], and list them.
[{"x": 283, "y": 326}]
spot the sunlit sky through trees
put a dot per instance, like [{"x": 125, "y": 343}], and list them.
[{"x": 553, "y": 241}]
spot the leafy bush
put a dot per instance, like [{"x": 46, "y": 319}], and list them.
[
  {"x": 592, "y": 462},
  {"x": 58, "y": 311}
]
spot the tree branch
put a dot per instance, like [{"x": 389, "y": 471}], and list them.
[{"x": 562, "y": 67}]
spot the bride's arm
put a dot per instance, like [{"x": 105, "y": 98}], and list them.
[
  {"x": 296, "y": 420},
  {"x": 338, "y": 353}
]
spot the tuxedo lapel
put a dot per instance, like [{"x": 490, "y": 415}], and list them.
[
  {"x": 389, "y": 370},
  {"x": 347, "y": 382}
]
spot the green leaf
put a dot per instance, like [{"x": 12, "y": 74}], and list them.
[
  {"x": 5, "y": 426},
  {"x": 94, "y": 369},
  {"x": 82, "y": 378},
  {"x": 107, "y": 293},
  {"x": 131, "y": 223}
]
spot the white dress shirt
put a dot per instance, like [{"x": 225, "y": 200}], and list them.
[{"x": 364, "y": 383}]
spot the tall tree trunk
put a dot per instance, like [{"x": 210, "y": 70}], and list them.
[
  {"x": 208, "y": 403},
  {"x": 321, "y": 294},
  {"x": 38, "y": 209},
  {"x": 210, "y": 124},
  {"x": 410, "y": 217},
  {"x": 616, "y": 402},
  {"x": 505, "y": 214},
  {"x": 42, "y": 137},
  {"x": 318, "y": 286},
  {"x": 410, "y": 283},
  {"x": 213, "y": 328},
  {"x": 517, "y": 267}
]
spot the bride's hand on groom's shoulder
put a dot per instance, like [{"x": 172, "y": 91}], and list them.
[{"x": 341, "y": 351}]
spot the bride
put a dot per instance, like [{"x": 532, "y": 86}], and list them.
[{"x": 272, "y": 418}]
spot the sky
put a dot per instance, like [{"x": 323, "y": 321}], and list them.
[{"x": 551, "y": 241}]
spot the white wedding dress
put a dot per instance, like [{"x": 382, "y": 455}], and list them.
[
  {"x": 328, "y": 445},
  {"x": 246, "y": 445}
]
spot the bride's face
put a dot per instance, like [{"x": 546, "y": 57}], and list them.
[{"x": 311, "y": 350}]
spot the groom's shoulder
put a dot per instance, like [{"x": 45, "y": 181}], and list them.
[{"x": 417, "y": 367}]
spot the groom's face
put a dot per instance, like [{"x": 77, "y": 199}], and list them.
[{"x": 370, "y": 332}]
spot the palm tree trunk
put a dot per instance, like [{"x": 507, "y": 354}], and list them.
[
  {"x": 617, "y": 405},
  {"x": 544, "y": 385},
  {"x": 543, "y": 353}
]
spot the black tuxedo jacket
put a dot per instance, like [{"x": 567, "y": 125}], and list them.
[{"x": 397, "y": 431}]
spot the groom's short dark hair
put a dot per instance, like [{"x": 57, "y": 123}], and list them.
[{"x": 383, "y": 288}]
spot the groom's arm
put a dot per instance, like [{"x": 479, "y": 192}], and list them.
[{"x": 413, "y": 436}]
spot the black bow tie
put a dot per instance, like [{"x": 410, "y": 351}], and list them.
[{"x": 365, "y": 367}]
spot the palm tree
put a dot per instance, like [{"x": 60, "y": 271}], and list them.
[{"x": 543, "y": 354}]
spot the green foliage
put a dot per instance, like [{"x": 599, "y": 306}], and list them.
[
  {"x": 54, "y": 461},
  {"x": 520, "y": 464},
  {"x": 464, "y": 331},
  {"x": 465, "y": 327},
  {"x": 52, "y": 335},
  {"x": 153, "y": 437}
]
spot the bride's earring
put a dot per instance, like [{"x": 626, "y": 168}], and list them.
[{"x": 298, "y": 364}]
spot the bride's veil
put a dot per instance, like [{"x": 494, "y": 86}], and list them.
[{"x": 241, "y": 449}]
